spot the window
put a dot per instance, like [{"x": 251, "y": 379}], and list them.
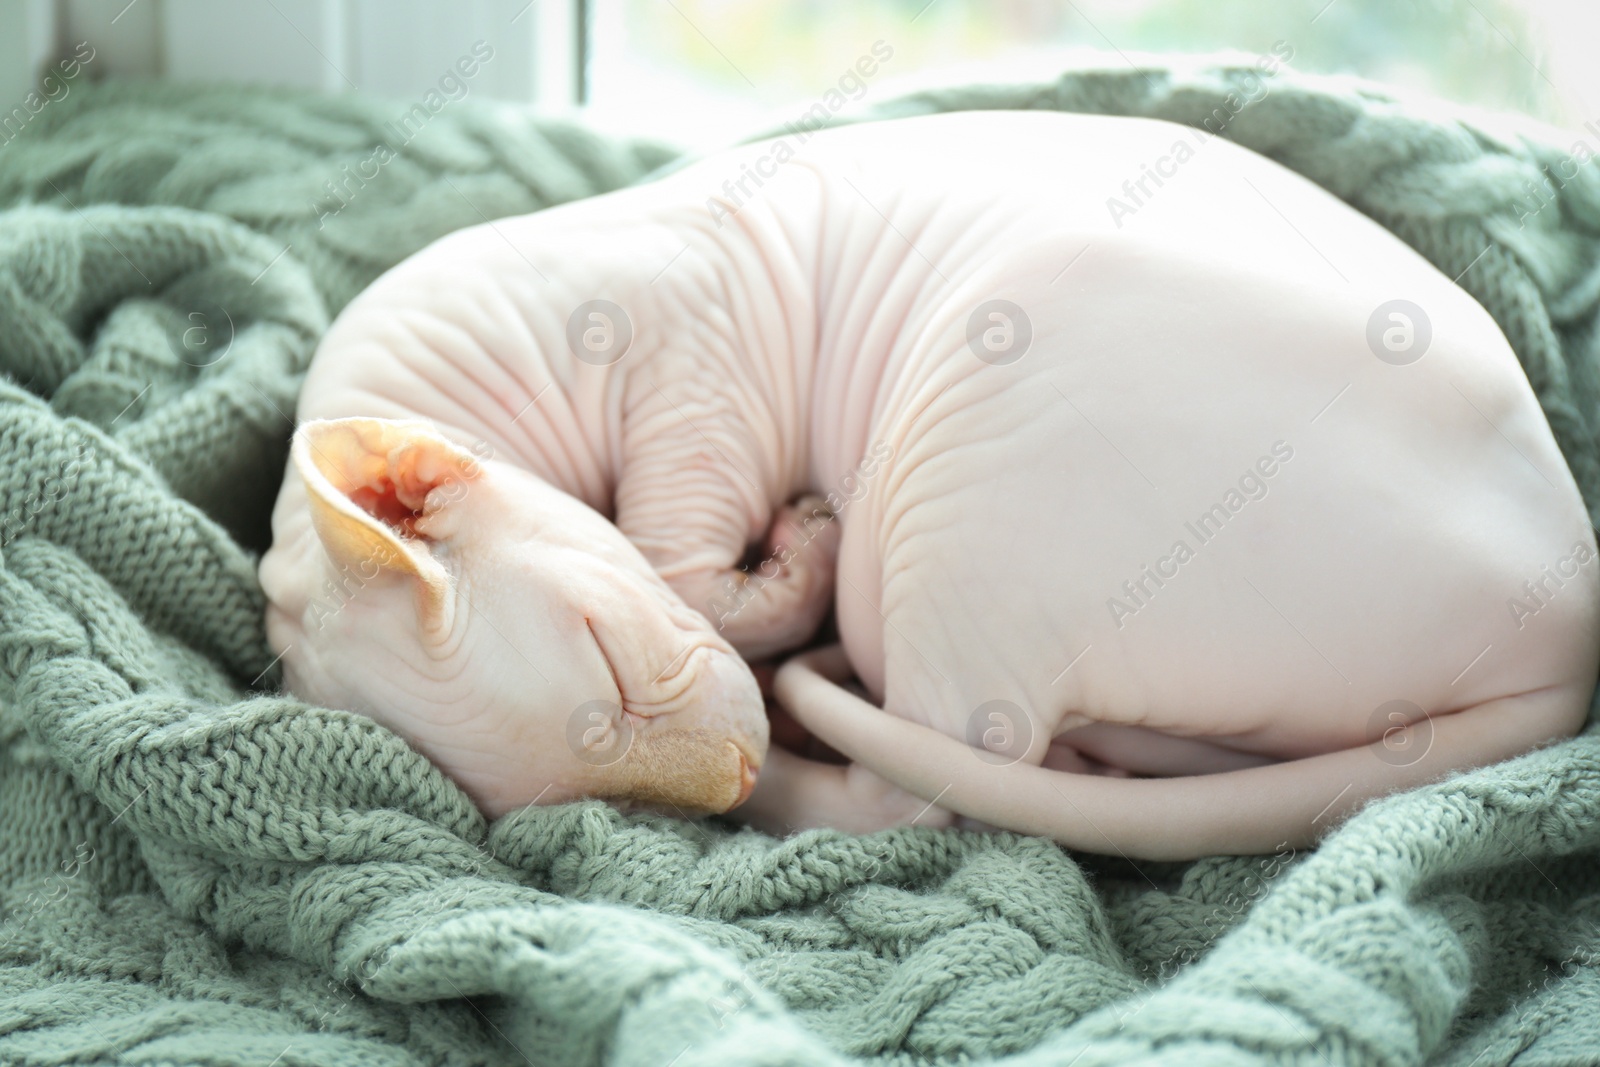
[{"x": 704, "y": 71}]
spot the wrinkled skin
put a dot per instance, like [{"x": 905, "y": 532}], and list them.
[
  {"x": 1204, "y": 352},
  {"x": 439, "y": 587}
]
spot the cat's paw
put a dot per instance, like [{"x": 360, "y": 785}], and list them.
[
  {"x": 775, "y": 603},
  {"x": 794, "y": 794},
  {"x": 875, "y": 803}
]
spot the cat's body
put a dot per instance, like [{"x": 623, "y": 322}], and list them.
[{"x": 1142, "y": 481}]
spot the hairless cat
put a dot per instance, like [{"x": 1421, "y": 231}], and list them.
[{"x": 1169, "y": 505}]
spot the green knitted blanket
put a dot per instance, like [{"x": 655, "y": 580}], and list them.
[{"x": 195, "y": 868}]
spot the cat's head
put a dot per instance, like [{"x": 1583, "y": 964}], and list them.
[{"x": 508, "y": 630}]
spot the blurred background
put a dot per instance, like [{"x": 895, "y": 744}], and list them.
[{"x": 702, "y": 72}]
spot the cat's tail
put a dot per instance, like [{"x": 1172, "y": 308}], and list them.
[{"x": 1241, "y": 812}]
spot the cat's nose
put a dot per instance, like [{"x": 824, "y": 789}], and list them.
[
  {"x": 730, "y": 701},
  {"x": 728, "y": 706},
  {"x": 747, "y": 780}
]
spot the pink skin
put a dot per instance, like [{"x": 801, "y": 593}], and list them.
[
  {"x": 478, "y": 611},
  {"x": 813, "y": 332}
]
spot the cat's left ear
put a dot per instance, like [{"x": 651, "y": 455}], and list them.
[{"x": 369, "y": 482}]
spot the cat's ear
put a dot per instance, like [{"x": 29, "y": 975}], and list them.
[{"x": 369, "y": 482}]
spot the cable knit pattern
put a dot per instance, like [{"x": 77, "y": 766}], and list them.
[{"x": 196, "y": 868}]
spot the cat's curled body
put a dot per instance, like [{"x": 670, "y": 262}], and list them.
[{"x": 1141, "y": 476}]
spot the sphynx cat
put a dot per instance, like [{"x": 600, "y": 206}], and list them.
[{"x": 1169, "y": 506}]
